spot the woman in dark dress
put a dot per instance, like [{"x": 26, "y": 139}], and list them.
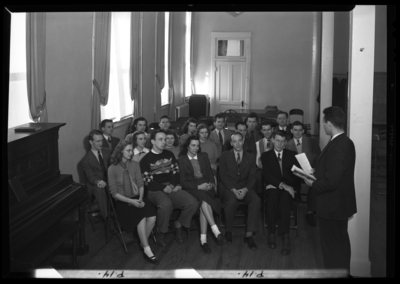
[
  {"x": 134, "y": 211},
  {"x": 197, "y": 178}
]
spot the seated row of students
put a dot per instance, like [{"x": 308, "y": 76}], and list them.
[{"x": 208, "y": 144}]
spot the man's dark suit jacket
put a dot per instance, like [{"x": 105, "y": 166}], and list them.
[
  {"x": 334, "y": 170},
  {"x": 251, "y": 147},
  {"x": 309, "y": 147},
  {"x": 186, "y": 171},
  {"x": 114, "y": 142},
  {"x": 93, "y": 173},
  {"x": 230, "y": 178},
  {"x": 272, "y": 171}
]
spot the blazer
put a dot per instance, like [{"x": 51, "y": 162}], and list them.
[
  {"x": 231, "y": 177},
  {"x": 251, "y": 148},
  {"x": 309, "y": 146},
  {"x": 114, "y": 142},
  {"x": 186, "y": 171},
  {"x": 261, "y": 149},
  {"x": 215, "y": 139},
  {"x": 92, "y": 168},
  {"x": 272, "y": 171},
  {"x": 335, "y": 189}
]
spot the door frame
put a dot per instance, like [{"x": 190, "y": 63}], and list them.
[{"x": 246, "y": 36}]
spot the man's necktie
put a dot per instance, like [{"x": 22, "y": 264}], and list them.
[
  {"x": 103, "y": 167},
  {"x": 220, "y": 138},
  {"x": 109, "y": 140},
  {"x": 280, "y": 161},
  {"x": 298, "y": 142},
  {"x": 268, "y": 145},
  {"x": 238, "y": 160}
]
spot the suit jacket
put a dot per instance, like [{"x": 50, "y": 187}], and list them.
[
  {"x": 309, "y": 146},
  {"x": 335, "y": 189},
  {"x": 272, "y": 172},
  {"x": 186, "y": 171},
  {"x": 114, "y": 142},
  {"x": 215, "y": 139},
  {"x": 231, "y": 176},
  {"x": 261, "y": 149},
  {"x": 251, "y": 147},
  {"x": 92, "y": 168},
  {"x": 289, "y": 134}
]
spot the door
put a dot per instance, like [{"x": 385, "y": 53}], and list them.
[
  {"x": 230, "y": 81},
  {"x": 230, "y": 62}
]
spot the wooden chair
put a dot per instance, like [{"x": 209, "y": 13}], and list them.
[{"x": 293, "y": 214}]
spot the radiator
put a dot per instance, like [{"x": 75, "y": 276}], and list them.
[{"x": 181, "y": 110}]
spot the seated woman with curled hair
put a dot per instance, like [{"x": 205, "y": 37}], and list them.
[
  {"x": 138, "y": 140},
  {"x": 172, "y": 143},
  {"x": 197, "y": 178},
  {"x": 188, "y": 129},
  {"x": 202, "y": 132},
  {"x": 132, "y": 208}
]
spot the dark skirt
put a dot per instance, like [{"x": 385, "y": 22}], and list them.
[
  {"x": 208, "y": 196},
  {"x": 129, "y": 216}
]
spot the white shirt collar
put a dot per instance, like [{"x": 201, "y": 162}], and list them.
[
  {"x": 276, "y": 153},
  {"x": 106, "y": 136},
  {"x": 336, "y": 135},
  {"x": 282, "y": 128},
  {"x": 136, "y": 151},
  {"x": 191, "y": 158},
  {"x": 154, "y": 152}
]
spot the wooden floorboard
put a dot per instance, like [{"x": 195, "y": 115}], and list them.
[{"x": 232, "y": 258}]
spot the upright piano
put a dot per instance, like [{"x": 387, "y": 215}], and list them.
[{"x": 45, "y": 207}]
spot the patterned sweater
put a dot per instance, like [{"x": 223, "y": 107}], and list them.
[{"x": 158, "y": 170}]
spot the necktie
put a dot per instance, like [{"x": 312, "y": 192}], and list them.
[
  {"x": 268, "y": 144},
  {"x": 220, "y": 138},
  {"x": 109, "y": 140},
  {"x": 238, "y": 159},
  {"x": 103, "y": 167},
  {"x": 280, "y": 161},
  {"x": 298, "y": 142}
]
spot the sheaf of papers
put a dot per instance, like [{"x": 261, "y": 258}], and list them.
[
  {"x": 304, "y": 163},
  {"x": 302, "y": 174}
]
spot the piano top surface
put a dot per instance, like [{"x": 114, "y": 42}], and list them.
[{"x": 13, "y": 136}]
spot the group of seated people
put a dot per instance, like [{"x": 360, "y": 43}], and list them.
[{"x": 151, "y": 174}]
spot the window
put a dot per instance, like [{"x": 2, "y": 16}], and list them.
[
  {"x": 165, "y": 90},
  {"x": 188, "y": 47},
  {"x": 18, "y": 106},
  {"x": 120, "y": 104}
]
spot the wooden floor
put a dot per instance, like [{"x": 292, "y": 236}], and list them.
[{"x": 234, "y": 260}]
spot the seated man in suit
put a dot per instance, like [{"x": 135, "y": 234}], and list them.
[
  {"x": 165, "y": 122},
  {"x": 220, "y": 136},
  {"x": 161, "y": 177},
  {"x": 240, "y": 127},
  {"x": 106, "y": 126},
  {"x": 281, "y": 189},
  {"x": 95, "y": 165},
  {"x": 253, "y": 135},
  {"x": 238, "y": 178},
  {"x": 309, "y": 146},
  {"x": 283, "y": 124}
]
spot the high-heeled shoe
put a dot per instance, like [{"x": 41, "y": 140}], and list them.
[{"x": 153, "y": 260}]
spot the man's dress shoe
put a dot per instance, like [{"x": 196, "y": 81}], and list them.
[
  {"x": 271, "y": 241},
  {"x": 250, "y": 242},
  {"x": 311, "y": 219},
  {"x": 160, "y": 238},
  {"x": 285, "y": 244},
  {"x": 228, "y": 236},
  {"x": 178, "y": 235},
  {"x": 221, "y": 240}
]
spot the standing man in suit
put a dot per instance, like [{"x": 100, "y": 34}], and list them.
[
  {"x": 310, "y": 147},
  {"x": 95, "y": 165},
  {"x": 282, "y": 187},
  {"x": 253, "y": 135},
  {"x": 283, "y": 124},
  {"x": 335, "y": 189},
  {"x": 220, "y": 136},
  {"x": 238, "y": 178},
  {"x": 109, "y": 141}
]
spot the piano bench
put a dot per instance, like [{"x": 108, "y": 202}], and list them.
[{"x": 36, "y": 252}]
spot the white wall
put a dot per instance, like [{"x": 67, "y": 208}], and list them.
[{"x": 281, "y": 55}]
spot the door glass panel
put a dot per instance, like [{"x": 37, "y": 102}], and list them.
[{"x": 230, "y": 47}]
